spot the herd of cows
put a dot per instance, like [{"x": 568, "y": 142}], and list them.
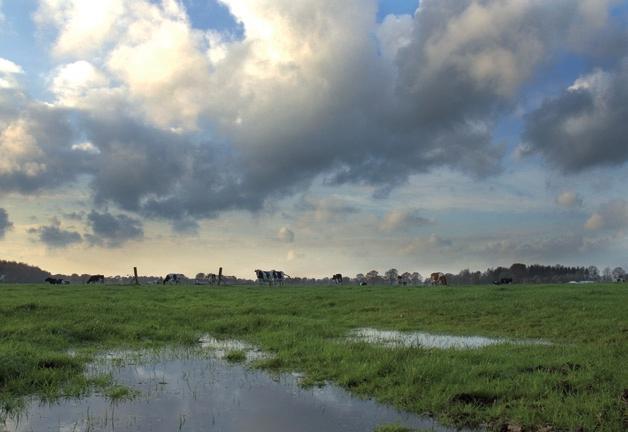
[{"x": 269, "y": 277}]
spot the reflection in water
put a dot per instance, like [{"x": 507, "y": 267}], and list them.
[
  {"x": 200, "y": 392},
  {"x": 393, "y": 339}
]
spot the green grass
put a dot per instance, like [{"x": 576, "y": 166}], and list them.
[
  {"x": 237, "y": 356},
  {"x": 579, "y": 382},
  {"x": 392, "y": 428}
]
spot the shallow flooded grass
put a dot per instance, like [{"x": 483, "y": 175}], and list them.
[
  {"x": 193, "y": 390},
  {"x": 579, "y": 381},
  {"x": 396, "y": 339}
]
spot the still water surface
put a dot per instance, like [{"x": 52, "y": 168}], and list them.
[
  {"x": 206, "y": 393},
  {"x": 392, "y": 339}
]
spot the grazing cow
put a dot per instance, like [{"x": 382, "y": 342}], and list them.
[
  {"x": 96, "y": 278},
  {"x": 438, "y": 278},
  {"x": 337, "y": 278},
  {"x": 503, "y": 281},
  {"x": 363, "y": 283},
  {"x": 54, "y": 281}
]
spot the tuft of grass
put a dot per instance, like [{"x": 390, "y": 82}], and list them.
[
  {"x": 118, "y": 393},
  {"x": 579, "y": 382},
  {"x": 236, "y": 356},
  {"x": 393, "y": 428}
]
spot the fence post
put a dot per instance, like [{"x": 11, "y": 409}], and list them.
[
  {"x": 219, "y": 275},
  {"x": 137, "y": 282}
]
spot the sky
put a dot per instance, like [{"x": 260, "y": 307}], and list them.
[{"x": 312, "y": 136}]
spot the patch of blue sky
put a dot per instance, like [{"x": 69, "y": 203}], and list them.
[
  {"x": 552, "y": 79},
  {"x": 396, "y": 7},
  {"x": 213, "y": 15},
  {"x": 21, "y": 43},
  {"x": 507, "y": 131},
  {"x": 620, "y": 10}
]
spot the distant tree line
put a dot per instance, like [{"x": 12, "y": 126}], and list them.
[
  {"x": 537, "y": 273},
  {"x": 518, "y": 272},
  {"x": 11, "y": 271}
]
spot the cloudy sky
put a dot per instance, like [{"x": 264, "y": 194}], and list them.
[{"x": 313, "y": 136}]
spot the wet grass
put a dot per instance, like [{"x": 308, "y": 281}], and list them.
[
  {"x": 393, "y": 428},
  {"x": 237, "y": 356},
  {"x": 579, "y": 382}
]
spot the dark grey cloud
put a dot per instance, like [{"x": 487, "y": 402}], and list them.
[
  {"x": 186, "y": 226},
  {"x": 5, "y": 223},
  {"x": 55, "y": 237},
  {"x": 36, "y": 145},
  {"x": 111, "y": 230},
  {"x": 585, "y": 126}
]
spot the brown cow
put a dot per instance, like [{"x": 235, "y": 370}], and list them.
[{"x": 438, "y": 278}]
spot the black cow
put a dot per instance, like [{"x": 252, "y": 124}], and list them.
[
  {"x": 503, "y": 281},
  {"x": 54, "y": 281},
  {"x": 337, "y": 278},
  {"x": 96, "y": 278}
]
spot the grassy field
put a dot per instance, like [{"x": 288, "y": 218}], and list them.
[{"x": 578, "y": 383}]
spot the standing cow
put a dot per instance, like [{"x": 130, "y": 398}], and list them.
[
  {"x": 54, "y": 281},
  {"x": 96, "y": 279},
  {"x": 270, "y": 277},
  {"x": 438, "y": 278},
  {"x": 337, "y": 278}
]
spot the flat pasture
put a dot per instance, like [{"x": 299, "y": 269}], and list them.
[{"x": 578, "y": 380}]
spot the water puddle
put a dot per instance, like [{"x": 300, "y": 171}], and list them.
[
  {"x": 198, "y": 390},
  {"x": 392, "y": 339}
]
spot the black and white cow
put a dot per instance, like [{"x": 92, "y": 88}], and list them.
[
  {"x": 337, "y": 278},
  {"x": 270, "y": 277},
  {"x": 174, "y": 278},
  {"x": 279, "y": 277},
  {"x": 96, "y": 279}
]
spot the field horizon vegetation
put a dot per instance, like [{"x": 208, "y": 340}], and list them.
[{"x": 48, "y": 334}]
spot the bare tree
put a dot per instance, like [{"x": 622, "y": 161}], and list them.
[
  {"x": 373, "y": 276},
  {"x": 607, "y": 275},
  {"x": 406, "y": 277},
  {"x": 391, "y": 275},
  {"x": 416, "y": 278},
  {"x": 594, "y": 272}
]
